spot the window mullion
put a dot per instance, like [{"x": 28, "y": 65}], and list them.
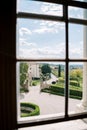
[
  {"x": 67, "y": 61},
  {"x": 39, "y": 16}
]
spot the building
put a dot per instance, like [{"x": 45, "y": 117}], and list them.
[{"x": 34, "y": 71}]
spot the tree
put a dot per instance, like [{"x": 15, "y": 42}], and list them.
[
  {"x": 59, "y": 71},
  {"x": 46, "y": 70},
  {"x": 23, "y": 72},
  {"x": 76, "y": 74}
]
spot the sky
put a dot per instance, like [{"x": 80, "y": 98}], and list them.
[{"x": 46, "y": 39}]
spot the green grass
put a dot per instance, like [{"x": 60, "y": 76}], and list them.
[{"x": 35, "y": 82}]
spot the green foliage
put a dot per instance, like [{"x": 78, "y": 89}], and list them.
[
  {"x": 76, "y": 74},
  {"x": 58, "y": 90},
  {"x": 23, "y": 72},
  {"x": 61, "y": 80},
  {"x": 74, "y": 83},
  {"x": 59, "y": 71},
  {"x": 26, "y": 113},
  {"x": 23, "y": 67},
  {"x": 55, "y": 72},
  {"x": 45, "y": 69},
  {"x": 23, "y": 90},
  {"x": 46, "y": 72},
  {"x": 75, "y": 93},
  {"x": 22, "y": 79},
  {"x": 34, "y": 83}
]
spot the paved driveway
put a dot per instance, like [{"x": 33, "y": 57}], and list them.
[{"x": 48, "y": 103}]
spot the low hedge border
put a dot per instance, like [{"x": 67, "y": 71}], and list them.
[
  {"x": 61, "y": 91},
  {"x": 36, "y": 109},
  {"x": 71, "y": 82}
]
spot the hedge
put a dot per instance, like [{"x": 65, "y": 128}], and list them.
[
  {"x": 24, "y": 90},
  {"x": 71, "y": 82},
  {"x": 61, "y": 91},
  {"x": 74, "y": 83},
  {"x": 34, "y": 83},
  {"x": 36, "y": 109},
  {"x": 62, "y": 80},
  {"x": 73, "y": 78}
]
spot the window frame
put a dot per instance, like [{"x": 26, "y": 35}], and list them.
[{"x": 66, "y": 20}]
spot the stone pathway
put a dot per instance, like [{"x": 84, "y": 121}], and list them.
[
  {"x": 51, "y": 104},
  {"x": 48, "y": 103}
]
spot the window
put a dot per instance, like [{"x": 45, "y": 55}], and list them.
[{"x": 46, "y": 38}]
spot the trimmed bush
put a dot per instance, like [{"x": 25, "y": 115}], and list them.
[
  {"x": 57, "y": 89},
  {"x": 61, "y": 91},
  {"x": 73, "y": 78},
  {"x": 74, "y": 83},
  {"x": 34, "y": 83},
  {"x": 24, "y": 90},
  {"x": 61, "y": 80},
  {"x": 76, "y": 93},
  {"x": 26, "y": 113}
]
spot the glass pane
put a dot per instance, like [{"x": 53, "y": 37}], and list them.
[
  {"x": 76, "y": 41},
  {"x": 79, "y": 13},
  {"x": 30, "y": 6},
  {"x": 76, "y": 79},
  {"x": 40, "y": 89},
  {"x": 39, "y": 39}
]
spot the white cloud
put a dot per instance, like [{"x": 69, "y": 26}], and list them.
[
  {"x": 57, "y": 51},
  {"x": 75, "y": 12},
  {"x": 23, "y": 31},
  {"x": 49, "y": 27},
  {"x": 24, "y": 43},
  {"x": 76, "y": 52},
  {"x": 73, "y": 9},
  {"x": 44, "y": 52},
  {"x": 51, "y": 9},
  {"x": 45, "y": 29}
]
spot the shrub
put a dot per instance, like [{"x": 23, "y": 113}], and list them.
[
  {"x": 62, "y": 80},
  {"x": 35, "y": 111},
  {"x": 57, "y": 89},
  {"x": 24, "y": 90},
  {"x": 74, "y": 83},
  {"x": 73, "y": 78},
  {"x": 61, "y": 91},
  {"x": 75, "y": 93},
  {"x": 34, "y": 83}
]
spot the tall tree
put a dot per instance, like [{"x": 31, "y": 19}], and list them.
[
  {"x": 23, "y": 72},
  {"x": 59, "y": 71},
  {"x": 46, "y": 70}
]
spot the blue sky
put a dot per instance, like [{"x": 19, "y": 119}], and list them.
[{"x": 46, "y": 39}]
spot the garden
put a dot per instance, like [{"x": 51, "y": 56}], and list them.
[
  {"x": 75, "y": 83},
  {"x": 56, "y": 87}
]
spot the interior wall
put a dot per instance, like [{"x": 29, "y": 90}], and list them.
[{"x": 7, "y": 65}]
